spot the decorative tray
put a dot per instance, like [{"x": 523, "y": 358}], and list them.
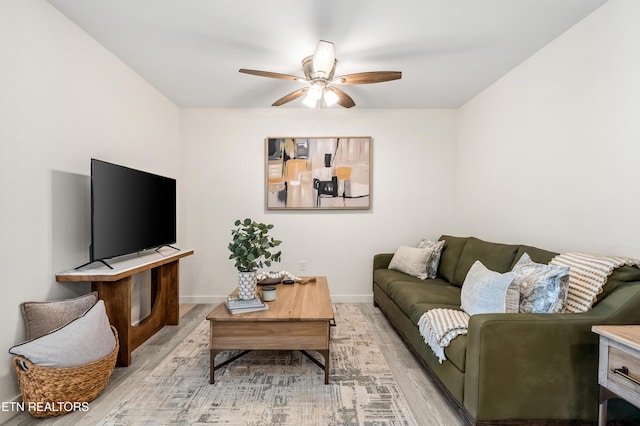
[{"x": 270, "y": 281}]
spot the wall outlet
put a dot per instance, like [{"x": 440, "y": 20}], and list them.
[{"x": 302, "y": 266}]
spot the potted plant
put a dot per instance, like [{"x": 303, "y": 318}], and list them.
[{"x": 251, "y": 247}]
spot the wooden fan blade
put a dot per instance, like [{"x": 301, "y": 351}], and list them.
[
  {"x": 291, "y": 96},
  {"x": 272, "y": 75},
  {"x": 368, "y": 77},
  {"x": 344, "y": 100}
]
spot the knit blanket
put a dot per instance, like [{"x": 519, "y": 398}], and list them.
[
  {"x": 438, "y": 327},
  {"x": 588, "y": 273}
]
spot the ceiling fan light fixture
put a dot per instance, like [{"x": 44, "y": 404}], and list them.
[
  {"x": 319, "y": 70},
  {"x": 330, "y": 97},
  {"x": 310, "y": 102},
  {"x": 324, "y": 58},
  {"x": 315, "y": 92}
]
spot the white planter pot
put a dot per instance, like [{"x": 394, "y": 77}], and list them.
[{"x": 247, "y": 285}]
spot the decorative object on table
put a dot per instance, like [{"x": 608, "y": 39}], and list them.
[
  {"x": 236, "y": 305},
  {"x": 251, "y": 247},
  {"x": 318, "y": 173},
  {"x": 303, "y": 281},
  {"x": 274, "y": 277},
  {"x": 268, "y": 293}
]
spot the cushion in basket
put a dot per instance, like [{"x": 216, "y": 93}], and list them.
[
  {"x": 485, "y": 291},
  {"x": 434, "y": 260},
  {"x": 411, "y": 260},
  {"x": 543, "y": 288},
  {"x": 86, "y": 339},
  {"x": 42, "y": 317}
]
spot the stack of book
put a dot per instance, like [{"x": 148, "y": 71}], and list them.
[{"x": 239, "y": 306}]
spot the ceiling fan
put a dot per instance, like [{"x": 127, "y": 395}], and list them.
[{"x": 319, "y": 70}]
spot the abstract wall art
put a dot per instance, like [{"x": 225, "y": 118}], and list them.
[{"x": 318, "y": 173}]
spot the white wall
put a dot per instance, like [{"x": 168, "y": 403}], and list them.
[
  {"x": 549, "y": 155},
  {"x": 546, "y": 156},
  {"x": 223, "y": 179},
  {"x": 63, "y": 100}
]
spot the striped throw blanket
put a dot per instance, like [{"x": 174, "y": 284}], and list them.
[
  {"x": 439, "y": 327},
  {"x": 588, "y": 273}
]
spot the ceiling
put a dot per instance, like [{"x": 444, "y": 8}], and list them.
[{"x": 448, "y": 50}]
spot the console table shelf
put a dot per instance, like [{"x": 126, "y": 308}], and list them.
[{"x": 114, "y": 287}]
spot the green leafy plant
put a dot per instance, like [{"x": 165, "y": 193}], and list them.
[{"x": 251, "y": 246}]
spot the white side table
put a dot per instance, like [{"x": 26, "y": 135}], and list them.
[{"x": 619, "y": 365}]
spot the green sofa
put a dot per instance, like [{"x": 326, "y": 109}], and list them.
[{"x": 526, "y": 368}]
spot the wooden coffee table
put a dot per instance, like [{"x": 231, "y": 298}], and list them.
[{"x": 299, "y": 319}]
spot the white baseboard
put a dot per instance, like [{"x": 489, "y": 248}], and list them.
[
  {"x": 201, "y": 300},
  {"x": 335, "y": 298},
  {"x": 352, "y": 298}
]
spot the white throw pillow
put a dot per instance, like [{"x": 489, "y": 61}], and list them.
[
  {"x": 411, "y": 260},
  {"x": 84, "y": 340},
  {"x": 485, "y": 291},
  {"x": 434, "y": 260}
]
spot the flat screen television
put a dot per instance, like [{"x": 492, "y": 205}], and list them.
[{"x": 131, "y": 211}]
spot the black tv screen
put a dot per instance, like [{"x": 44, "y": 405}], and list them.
[{"x": 131, "y": 210}]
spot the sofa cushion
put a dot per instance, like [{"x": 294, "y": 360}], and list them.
[
  {"x": 411, "y": 260},
  {"x": 451, "y": 251},
  {"x": 456, "y": 350},
  {"x": 84, "y": 340},
  {"x": 621, "y": 275},
  {"x": 407, "y": 294},
  {"x": 536, "y": 254},
  {"x": 42, "y": 317},
  {"x": 543, "y": 288},
  {"x": 384, "y": 277},
  {"x": 485, "y": 291},
  {"x": 494, "y": 256}
]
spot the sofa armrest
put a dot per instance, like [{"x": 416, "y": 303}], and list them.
[
  {"x": 540, "y": 366},
  {"x": 382, "y": 260}
]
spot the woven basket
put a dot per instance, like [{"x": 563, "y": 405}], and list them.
[{"x": 54, "y": 391}]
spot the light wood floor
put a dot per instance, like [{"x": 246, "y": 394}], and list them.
[{"x": 427, "y": 404}]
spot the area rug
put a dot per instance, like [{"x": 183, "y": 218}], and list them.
[{"x": 270, "y": 387}]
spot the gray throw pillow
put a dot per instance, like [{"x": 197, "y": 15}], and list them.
[
  {"x": 485, "y": 291},
  {"x": 42, "y": 317},
  {"x": 543, "y": 288},
  {"x": 84, "y": 340},
  {"x": 434, "y": 260}
]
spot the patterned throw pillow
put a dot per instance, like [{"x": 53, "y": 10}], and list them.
[
  {"x": 485, "y": 291},
  {"x": 543, "y": 288},
  {"x": 411, "y": 260},
  {"x": 434, "y": 261}
]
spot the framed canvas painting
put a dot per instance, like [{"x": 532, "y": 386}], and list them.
[{"x": 318, "y": 173}]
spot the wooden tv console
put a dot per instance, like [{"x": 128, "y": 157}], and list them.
[{"x": 114, "y": 287}]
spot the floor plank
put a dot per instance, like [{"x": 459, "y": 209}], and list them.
[
  {"x": 426, "y": 402},
  {"x": 428, "y": 406}
]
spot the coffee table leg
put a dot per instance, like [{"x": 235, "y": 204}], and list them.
[
  {"x": 212, "y": 367},
  {"x": 325, "y": 354}
]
